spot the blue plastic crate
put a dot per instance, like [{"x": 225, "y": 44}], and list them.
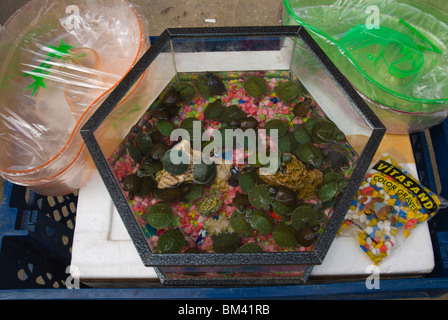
[
  {"x": 433, "y": 284},
  {"x": 36, "y": 234}
]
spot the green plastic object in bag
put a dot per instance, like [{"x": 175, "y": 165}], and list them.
[{"x": 393, "y": 52}]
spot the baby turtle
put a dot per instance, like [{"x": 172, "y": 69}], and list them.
[
  {"x": 158, "y": 150},
  {"x": 138, "y": 186},
  {"x": 259, "y": 196},
  {"x": 339, "y": 156},
  {"x": 191, "y": 192},
  {"x": 134, "y": 152},
  {"x": 165, "y": 127},
  {"x": 328, "y": 191},
  {"x": 232, "y": 115},
  {"x": 284, "y": 235},
  {"x": 169, "y": 195},
  {"x": 186, "y": 91},
  {"x": 301, "y": 133},
  {"x": 262, "y": 221},
  {"x": 144, "y": 142},
  {"x": 210, "y": 205},
  {"x": 214, "y": 110},
  {"x": 310, "y": 155},
  {"x": 276, "y": 124},
  {"x": 175, "y": 161},
  {"x": 240, "y": 225},
  {"x": 325, "y": 131},
  {"x": 146, "y": 169},
  {"x": 302, "y": 108},
  {"x": 332, "y": 176},
  {"x": 281, "y": 210},
  {"x": 306, "y": 236},
  {"x": 283, "y": 195},
  {"x": 171, "y": 98},
  {"x": 171, "y": 241},
  {"x": 287, "y": 143},
  {"x": 159, "y": 215},
  {"x": 250, "y": 247},
  {"x": 210, "y": 85},
  {"x": 241, "y": 202},
  {"x": 225, "y": 243},
  {"x": 255, "y": 86},
  {"x": 131, "y": 183},
  {"x": 304, "y": 216},
  {"x": 287, "y": 90},
  {"x": 247, "y": 180},
  {"x": 248, "y": 123},
  {"x": 204, "y": 173}
]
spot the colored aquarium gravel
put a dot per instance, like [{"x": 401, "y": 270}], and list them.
[
  {"x": 389, "y": 204},
  {"x": 240, "y": 203}
]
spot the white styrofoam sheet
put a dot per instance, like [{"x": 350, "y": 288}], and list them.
[{"x": 103, "y": 251}]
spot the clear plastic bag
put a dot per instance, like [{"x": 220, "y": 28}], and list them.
[
  {"x": 60, "y": 60},
  {"x": 389, "y": 204}
]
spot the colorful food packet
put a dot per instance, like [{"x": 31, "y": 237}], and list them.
[{"x": 389, "y": 204}]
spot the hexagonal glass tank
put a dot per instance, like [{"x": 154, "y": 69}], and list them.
[{"x": 246, "y": 161}]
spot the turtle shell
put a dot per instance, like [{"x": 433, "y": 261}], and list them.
[
  {"x": 158, "y": 150},
  {"x": 287, "y": 90},
  {"x": 204, "y": 173},
  {"x": 303, "y": 216},
  {"x": 255, "y": 86},
  {"x": 134, "y": 152},
  {"x": 210, "y": 205},
  {"x": 239, "y": 224},
  {"x": 328, "y": 191},
  {"x": 213, "y": 110},
  {"x": 250, "y": 247},
  {"x": 248, "y": 123},
  {"x": 225, "y": 243},
  {"x": 148, "y": 169},
  {"x": 259, "y": 196},
  {"x": 284, "y": 235},
  {"x": 191, "y": 192},
  {"x": 175, "y": 168},
  {"x": 171, "y": 241},
  {"x": 232, "y": 113},
  {"x": 276, "y": 124},
  {"x": 165, "y": 127},
  {"x": 287, "y": 143},
  {"x": 310, "y": 154},
  {"x": 170, "y": 195},
  {"x": 247, "y": 180},
  {"x": 147, "y": 185},
  {"x": 325, "y": 131},
  {"x": 171, "y": 98},
  {"x": 302, "y": 108},
  {"x": 281, "y": 209},
  {"x": 158, "y": 216},
  {"x": 210, "y": 85},
  {"x": 186, "y": 90},
  {"x": 144, "y": 142},
  {"x": 262, "y": 221},
  {"x": 241, "y": 202},
  {"x": 301, "y": 133},
  {"x": 306, "y": 236}
]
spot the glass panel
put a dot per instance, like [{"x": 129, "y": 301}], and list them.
[
  {"x": 326, "y": 92},
  {"x": 234, "y": 274},
  {"x": 134, "y": 104},
  {"x": 229, "y": 54}
]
